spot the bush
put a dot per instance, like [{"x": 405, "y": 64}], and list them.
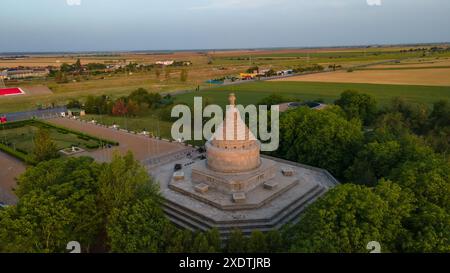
[
  {"x": 17, "y": 154},
  {"x": 93, "y": 146}
]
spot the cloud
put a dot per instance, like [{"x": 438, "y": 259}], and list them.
[
  {"x": 240, "y": 4},
  {"x": 73, "y": 2},
  {"x": 374, "y": 2}
]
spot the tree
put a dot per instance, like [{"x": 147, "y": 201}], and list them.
[
  {"x": 374, "y": 161},
  {"x": 137, "y": 227},
  {"x": 184, "y": 75},
  {"x": 320, "y": 138},
  {"x": 61, "y": 77},
  {"x": 77, "y": 65},
  {"x": 415, "y": 114},
  {"x": 139, "y": 95},
  {"x": 439, "y": 127},
  {"x": 430, "y": 231},
  {"x": 214, "y": 241},
  {"x": 252, "y": 69},
  {"x": 57, "y": 204},
  {"x": 119, "y": 108},
  {"x": 39, "y": 224},
  {"x": 65, "y": 68},
  {"x": 153, "y": 99},
  {"x": 97, "y": 105},
  {"x": 133, "y": 107},
  {"x": 440, "y": 116},
  {"x": 273, "y": 99},
  {"x": 89, "y": 105},
  {"x": 157, "y": 73},
  {"x": 200, "y": 244},
  {"x": 114, "y": 206},
  {"x": 167, "y": 72},
  {"x": 237, "y": 242},
  {"x": 428, "y": 177},
  {"x": 274, "y": 241},
  {"x": 349, "y": 216},
  {"x": 356, "y": 105},
  {"x": 257, "y": 242},
  {"x": 123, "y": 181},
  {"x": 44, "y": 148},
  {"x": 73, "y": 103}
]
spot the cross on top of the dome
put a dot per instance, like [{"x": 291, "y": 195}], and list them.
[
  {"x": 233, "y": 128},
  {"x": 232, "y": 99}
]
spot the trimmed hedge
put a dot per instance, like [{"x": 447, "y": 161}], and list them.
[
  {"x": 60, "y": 129},
  {"x": 23, "y": 156},
  {"x": 17, "y": 154},
  {"x": 79, "y": 134}
]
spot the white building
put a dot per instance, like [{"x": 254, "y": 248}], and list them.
[{"x": 165, "y": 62}]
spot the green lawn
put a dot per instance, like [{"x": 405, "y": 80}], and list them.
[
  {"x": 17, "y": 138},
  {"x": 22, "y": 138},
  {"x": 147, "y": 121},
  {"x": 251, "y": 93}
]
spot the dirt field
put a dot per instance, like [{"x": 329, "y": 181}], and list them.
[
  {"x": 432, "y": 77},
  {"x": 9, "y": 169},
  {"x": 37, "y": 90},
  {"x": 443, "y": 62},
  {"x": 141, "y": 146}
]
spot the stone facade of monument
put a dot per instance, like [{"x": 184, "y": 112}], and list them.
[{"x": 236, "y": 187}]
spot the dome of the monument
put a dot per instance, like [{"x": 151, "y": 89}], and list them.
[{"x": 233, "y": 147}]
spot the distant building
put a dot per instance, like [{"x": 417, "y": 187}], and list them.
[
  {"x": 75, "y": 112},
  {"x": 248, "y": 76},
  {"x": 164, "y": 62},
  {"x": 14, "y": 74},
  {"x": 285, "y": 72},
  {"x": 292, "y": 105}
]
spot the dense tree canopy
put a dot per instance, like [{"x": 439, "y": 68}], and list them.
[
  {"x": 395, "y": 189},
  {"x": 57, "y": 205},
  {"x": 350, "y": 216},
  {"x": 77, "y": 199},
  {"x": 138, "y": 227},
  {"x": 358, "y": 105},
  {"x": 320, "y": 138}
]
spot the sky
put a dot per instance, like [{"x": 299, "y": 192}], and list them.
[{"x": 109, "y": 25}]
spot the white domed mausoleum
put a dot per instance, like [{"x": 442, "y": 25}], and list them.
[{"x": 235, "y": 186}]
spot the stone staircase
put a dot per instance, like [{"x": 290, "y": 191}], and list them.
[{"x": 189, "y": 219}]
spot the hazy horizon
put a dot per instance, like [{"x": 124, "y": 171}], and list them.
[{"x": 139, "y": 25}]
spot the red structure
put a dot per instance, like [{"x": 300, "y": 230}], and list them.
[{"x": 11, "y": 91}]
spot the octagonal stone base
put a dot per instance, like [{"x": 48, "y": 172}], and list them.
[
  {"x": 184, "y": 207},
  {"x": 229, "y": 183}
]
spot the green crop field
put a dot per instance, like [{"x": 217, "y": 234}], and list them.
[{"x": 251, "y": 93}]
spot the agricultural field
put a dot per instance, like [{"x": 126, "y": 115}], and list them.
[
  {"x": 250, "y": 93},
  {"x": 422, "y": 76},
  {"x": 205, "y": 65},
  {"x": 328, "y": 92}
]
